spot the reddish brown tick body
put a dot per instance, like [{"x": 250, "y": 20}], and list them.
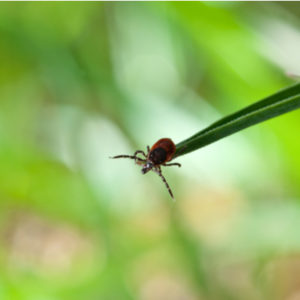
[{"x": 160, "y": 153}]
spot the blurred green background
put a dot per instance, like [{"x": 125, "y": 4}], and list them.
[{"x": 80, "y": 82}]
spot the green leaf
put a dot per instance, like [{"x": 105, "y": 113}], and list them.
[{"x": 277, "y": 104}]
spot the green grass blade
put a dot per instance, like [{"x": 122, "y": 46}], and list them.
[{"x": 277, "y": 104}]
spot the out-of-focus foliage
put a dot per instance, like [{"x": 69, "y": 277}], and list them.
[{"x": 80, "y": 82}]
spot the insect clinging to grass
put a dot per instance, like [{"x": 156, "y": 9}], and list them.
[{"x": 160, "y": 153}]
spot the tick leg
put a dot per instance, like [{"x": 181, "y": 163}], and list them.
[
  {"x": 157, "y": 170},
  {"x": 172, "y": 164},
  {"x": 148, "y": 149},
  {"x": 139, "y": 161},
  {"x": 140, "y": 151},
  {"x": 129, "y": 156}
]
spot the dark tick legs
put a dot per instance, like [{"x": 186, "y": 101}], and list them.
[
  {"x": 130, "y": 156},
  {"x": 134, "y": 156},
  {"x": 172, "y": 164},
  {"x": 157, "y": 170},
  {"x": 140, "y": 151}
]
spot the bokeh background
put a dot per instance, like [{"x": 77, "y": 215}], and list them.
[{"x": 80, "y": 82}]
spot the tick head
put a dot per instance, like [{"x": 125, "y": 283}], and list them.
[{"x": 147, "y": 167}]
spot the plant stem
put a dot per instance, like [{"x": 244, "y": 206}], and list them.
[{"x": 277, "y": 104}]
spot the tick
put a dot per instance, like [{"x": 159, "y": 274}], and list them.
[{"x": 160, "y": 153}]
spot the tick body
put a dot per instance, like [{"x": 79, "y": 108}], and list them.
[{"x": 160, "y": 153}]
